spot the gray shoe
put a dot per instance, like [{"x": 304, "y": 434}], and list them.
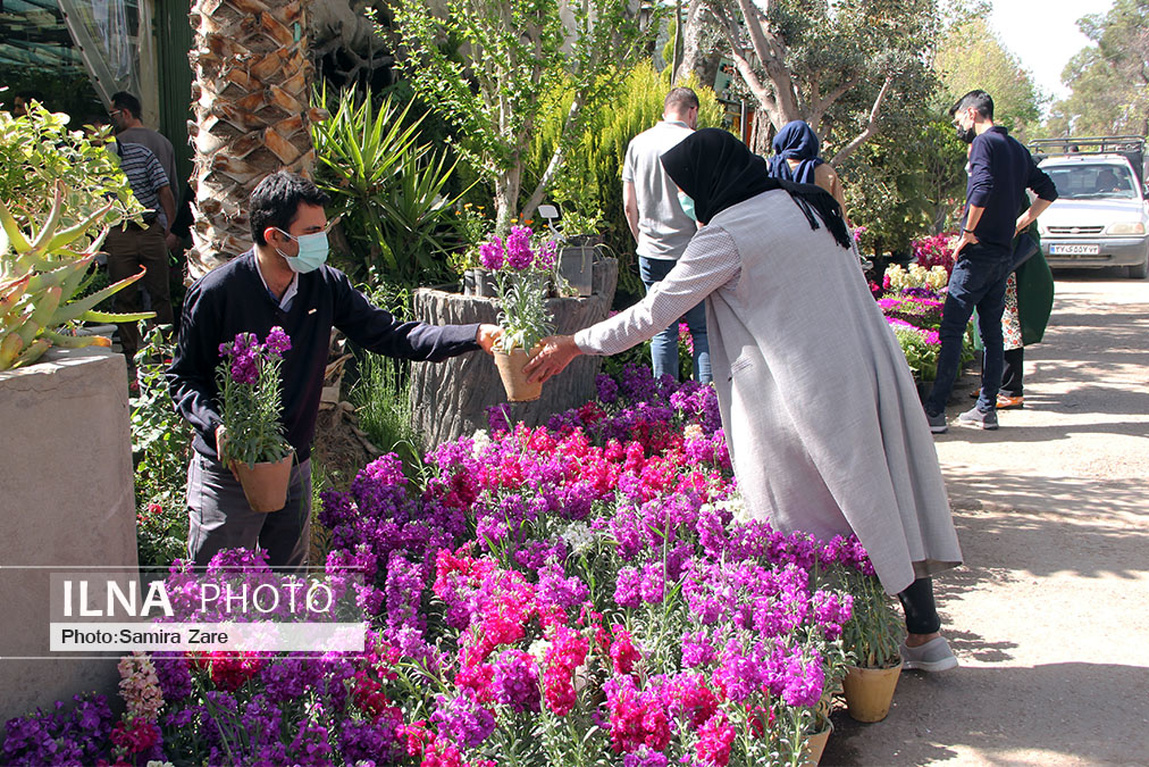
[
  {"x": 937, "y": 423},
  {"x": 934, "y": 655},
  {"x": 978, "y": 419}
]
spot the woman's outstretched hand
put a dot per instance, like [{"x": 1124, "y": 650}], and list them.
[{"x": 553, "y": 355}]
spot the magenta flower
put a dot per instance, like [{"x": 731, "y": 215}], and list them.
[
  {"x": 519, "y": 254},
  {"x": 491, "y": 254},
  {"x": 278, "y": 341}
]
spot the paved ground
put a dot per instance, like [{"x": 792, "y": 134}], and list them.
[{"x": 1050, "y": 615}]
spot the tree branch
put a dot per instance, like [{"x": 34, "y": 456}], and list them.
[
  {"x": 741, "y": 60},
  {"x": 771, "y": 51},
  {"x": 871, "y": 126},
  {"x": 820, "y": 104}
]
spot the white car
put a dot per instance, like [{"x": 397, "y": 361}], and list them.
[{"x": 1101, "y": 216}]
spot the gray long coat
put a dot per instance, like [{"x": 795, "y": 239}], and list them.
[{"x": 821, "y": 414}]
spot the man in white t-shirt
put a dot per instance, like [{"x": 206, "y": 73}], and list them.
[{"x": 660, "y": 225}]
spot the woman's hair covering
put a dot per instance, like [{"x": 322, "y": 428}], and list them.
[
  {"x": 796, "y": 141},
  {"x": 718, "y": 171}
]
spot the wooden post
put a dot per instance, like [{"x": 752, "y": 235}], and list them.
[{"x": 450, "y": 399}]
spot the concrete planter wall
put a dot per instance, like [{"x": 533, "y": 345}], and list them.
[{"x": 66, "y": 499}]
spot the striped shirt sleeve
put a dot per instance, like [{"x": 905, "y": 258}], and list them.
[
  {"x": 710, "y": 262},
  {"x": 145, "y": 173}
]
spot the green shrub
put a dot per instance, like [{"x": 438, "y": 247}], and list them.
[
  {"x": 40, "y": 150},
  {"x": 161, "y": 447}
]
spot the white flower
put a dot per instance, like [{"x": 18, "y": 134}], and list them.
[
  {"x": 736, "y": 505},
  {"x": 538, "y": 649},
  {"x": 578, "y": 537},
  {"x": 481, "y": 440}
]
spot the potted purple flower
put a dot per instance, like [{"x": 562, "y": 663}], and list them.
[
  {"x": 521, "y": 275},
  {"x": 254, "y": 446}
]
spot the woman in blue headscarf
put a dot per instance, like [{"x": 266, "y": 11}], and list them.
[{"x": 796, "y": 159}]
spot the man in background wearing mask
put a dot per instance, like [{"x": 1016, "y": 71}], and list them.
[
  {"x": 282, "y": 281},
  {"x": 662, "y": 227},
  {"x": 1000, "y": 170}
]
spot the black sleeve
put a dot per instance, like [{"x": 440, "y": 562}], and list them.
[
  {"x": 191, "y": 376},
  {"x": 1040, "y": 182},
  {"x": 377, "y": 330}
]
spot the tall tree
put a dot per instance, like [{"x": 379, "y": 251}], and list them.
[
  {"x": 971, "y": 56},
  {"x": 493, "y": 68},
  {"x": 1109, "y": 80},
  {"x": 801, "y": 59},
  {"x": 251, "y": 97}
]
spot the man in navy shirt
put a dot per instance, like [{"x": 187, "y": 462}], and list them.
[
  {"x": 281, "y": 281},
  {"x": 1000, "y": 170}
]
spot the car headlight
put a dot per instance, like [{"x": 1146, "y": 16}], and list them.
[{"x": 1126, "y": 227}]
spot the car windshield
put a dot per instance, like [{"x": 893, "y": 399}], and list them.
[{"x": 1093, "y": 182}]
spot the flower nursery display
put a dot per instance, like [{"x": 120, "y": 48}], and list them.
[
  {"x": 912, "y": 299},
  {"x": 588, "y": 592}
]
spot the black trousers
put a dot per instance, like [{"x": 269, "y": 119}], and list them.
[
  {"x": 1012, "y": 373},
  {"x": 918, "y": 604}
]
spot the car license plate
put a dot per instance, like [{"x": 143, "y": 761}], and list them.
[{"x": 1066, "y": 249}]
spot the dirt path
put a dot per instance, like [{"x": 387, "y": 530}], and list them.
[{"x": 1050, "y": 615}]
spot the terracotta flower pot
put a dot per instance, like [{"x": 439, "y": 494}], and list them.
[
  {"x": 265, "y": 484},
  {"x": 511, "y": 371},
  {"x": 870, "y": 691},
  {"x": 816, "y": 744}
]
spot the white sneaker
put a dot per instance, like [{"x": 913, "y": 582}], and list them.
[{"x": 934, "y": 655}]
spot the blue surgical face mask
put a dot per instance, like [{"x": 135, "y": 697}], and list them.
[
  {"x": 313, "y": 249},
  {"x": 687, "y": 203}
]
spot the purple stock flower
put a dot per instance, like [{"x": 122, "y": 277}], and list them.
[
  {"x": 516, "y": 681},
  {"x": 607, "y": 389},
  {"x": 546, "y": 256},
  {"x": 463, "y": 720},
  {"x": 491, "y": 254},
  {"x": 696, "y": 649},
  {"x": 653, "y": 582},
  {"x": 565, "y": 593},
  {"x": 519, "y": 255},
  {"x": 278, "y": 341},
  {"x": 174, "y": 675},
  {"x": 804, "y": 681},
  {"x": 626, "y": 589},
  {"x": 370, "y": 742}
]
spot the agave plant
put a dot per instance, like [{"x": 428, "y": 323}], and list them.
[{"x": 41, "y": 274}]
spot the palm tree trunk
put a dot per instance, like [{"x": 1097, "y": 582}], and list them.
[{"x": 251, "y": 98}]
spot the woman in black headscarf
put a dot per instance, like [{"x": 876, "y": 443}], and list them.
[
  {"x": 796, "y": 159},
  {"x": 821, "y": 415}
]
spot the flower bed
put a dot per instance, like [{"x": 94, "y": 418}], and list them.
[
  {"x": 912, "y": 299},
  {"x": 589, "y": 592}
]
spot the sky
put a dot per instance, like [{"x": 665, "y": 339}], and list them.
[{"x": 1044, "y": 36}]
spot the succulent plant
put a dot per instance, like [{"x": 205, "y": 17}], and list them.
[{"x": 41, "y": 275}]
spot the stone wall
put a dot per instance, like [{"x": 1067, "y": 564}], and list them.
[
  {"x": 450, "y": 399},
  {"x": 66, "y": 500}
]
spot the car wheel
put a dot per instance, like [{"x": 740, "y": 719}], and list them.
[{"x": 1140, "y": 271}]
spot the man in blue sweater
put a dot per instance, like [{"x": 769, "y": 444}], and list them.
[
  {"x": 1000, "y": 170},
  {"x": 282, "y": 281}
]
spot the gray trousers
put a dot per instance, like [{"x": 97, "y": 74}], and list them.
[{"x": 220, "y": 518}]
